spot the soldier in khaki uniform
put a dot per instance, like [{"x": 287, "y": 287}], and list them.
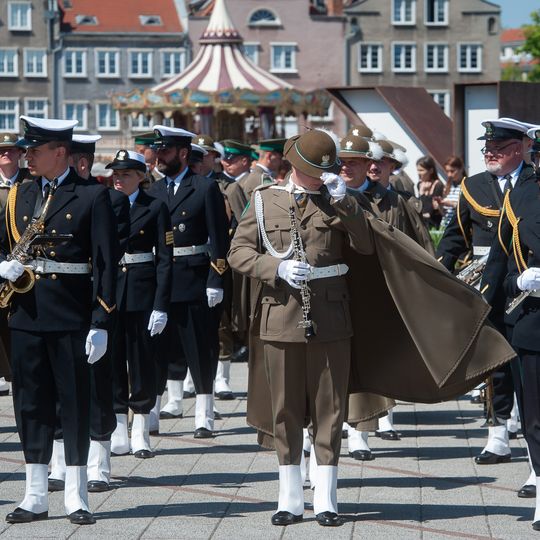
[{"x": 308, "y": 376}]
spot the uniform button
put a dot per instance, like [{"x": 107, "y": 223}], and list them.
[
  {"x": 184, "y": 213},
  {"x": 276, "y": 225},
  {"x": 25, "y": 218},
  {"x": 52, "y": 253},
  {"x": 68, "y": 216},
  {"x": 175, "y": 228},
  {"x": 38, "y": 276},
  {"x": 303, "y": 227},
  {"x": 141, "y": 232},
  {"x": 53, "y": 231},
  {"x": 124, "y": 269},
  {"x": 174, "y": 259},
  {"x": 53, "y": 276}
]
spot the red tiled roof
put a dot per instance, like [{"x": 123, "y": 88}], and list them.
[
  {"x": 120, "y": 16},
  {"x": 512, "y": 35}
]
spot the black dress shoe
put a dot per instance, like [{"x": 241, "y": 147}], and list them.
[
  {"x": 344, "y": 434},
  {"x": 285, "y": 518},
  {"x": 164, "y": 415},
  {"x": 82, "y": 517},
  {"x": 512, "y": 435},
  {"x": 362, "y": 455},
  {"x": 56, "y": 485},
  {"x": 154, "y": 432},
  {"x": 527, "y": 492},
  {"x": 203, "y": 433},
  {"x": 536, "y": 525},
  {"x": 488, "y": 458},
  {"x": 144, "y": 454},
  {"x": 97, "y": 486},
  {"x": 4, "y": 392},
  {"x": 225, "y": 396},
  {"x": 24, "y": 516},
  {"x": 188, "y": 395},
  {"x": 390, "y": 435},
  {"x": 329, "y": 519},
  {"x": 241, "y": 355}
]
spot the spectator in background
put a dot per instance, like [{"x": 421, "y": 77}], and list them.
[
  {"x": 455, "y": 174},
  {"x": 430, "y": 190}
]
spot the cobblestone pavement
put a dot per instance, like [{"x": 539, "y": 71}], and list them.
[{"x": 424, "y": 486}]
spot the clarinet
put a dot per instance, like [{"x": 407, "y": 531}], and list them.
[{"x": 300, "y": 255}]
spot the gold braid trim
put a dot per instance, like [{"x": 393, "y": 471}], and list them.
[
  {"x": 488, "y": 212},
  {"x": 458, "y": 213},
  {"x": 11, "y": 225},
  {"x": 105, "y": 306},
  {"x": 499, "y": 228},
  {"x": 516, "y": 243}
]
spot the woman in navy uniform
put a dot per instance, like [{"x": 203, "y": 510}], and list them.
[
  {"x": 60, "y": 326},
  {"x": 142, "y": 296}
]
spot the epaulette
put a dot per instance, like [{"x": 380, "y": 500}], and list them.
[{"x": 264, "y": 186}]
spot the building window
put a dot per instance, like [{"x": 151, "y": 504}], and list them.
[
  {"x": 370, "y": 57},
  {"x": 437, "y": 12},
  {"x": 107, "y": 63},
  {"x": 283, "y": 57},
  {"x": 9, "y": 115},
  {"x": 140, "y": 123},
  {"x": 173, "y": 62},
  {"x": 107, "y": 118},
  {"x": 20, "y": 16},
  {"x": 404, "y": 57},
  {"x": 150, "y": 20},
  {"x": 75, "y": 63},
  {"x": 76, "y": 110},
  {"x": 35, "y": 62},
  {"x": 442, "y": 99},
  {"x": 251, "y": 51},
  {"x": 36, "y": 107},
  {"x": 436, "y": 58},
  {"x": 9, "y": 63},
  {"x": 469, "y": 57},
  {"x": 140, "y": 64},
  {"x": 404, "y": 12},
  {"x": 263, "y": 17}
]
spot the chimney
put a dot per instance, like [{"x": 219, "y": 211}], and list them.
[{"x": 334, "y": 7}]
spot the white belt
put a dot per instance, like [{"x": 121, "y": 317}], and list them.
[
  {"x": 328, "y": 271},
  {"x": 134, "y": 258},
  {"x": 190, "y": 250},
  {"x": 45, "y": 266},
  {"x": 479, "y": 251}
]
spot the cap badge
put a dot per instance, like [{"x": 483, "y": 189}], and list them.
[
  {"x": 355, "y": 132},
  {"x": 537, "y": 134},
  {"x": 200, "y": 141},
  {"x": 121, "y": 155},
  {"x": 489, "y": 129},
  {"x": 325, "y": 160},
  {"x": 348, "y": 145}
]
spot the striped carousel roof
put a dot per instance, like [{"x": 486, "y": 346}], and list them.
[{"x": 220, "y": 64}]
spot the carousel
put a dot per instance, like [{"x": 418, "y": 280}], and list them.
[{"x": 222, "y": 92}]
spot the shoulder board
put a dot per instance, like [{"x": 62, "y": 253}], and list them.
[
  {"x": 482, "y": 210},
  {"x": 265, "y": 186}
]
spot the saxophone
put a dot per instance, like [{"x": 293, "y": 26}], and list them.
[
  {"x": 300, "y": 255},
  {"x": 22, "y": 251},
  {"x": 472, "y": 273}
]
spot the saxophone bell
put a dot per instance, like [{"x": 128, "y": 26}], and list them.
[{"x": 21, "y": 285}]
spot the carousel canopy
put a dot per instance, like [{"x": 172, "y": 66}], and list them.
[{"x": 221, "y": 77}]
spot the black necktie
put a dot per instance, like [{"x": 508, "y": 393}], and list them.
[
  {"x": 508, "y": 184},
  {"x": 170, "y": 190}
]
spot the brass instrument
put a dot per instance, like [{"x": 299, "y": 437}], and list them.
[
  {"x": 300, "y": 255},
  {"x": 472, "y": 273},
  {"x": 517, "y": 301},
  {"x": 23, "y": 251}
]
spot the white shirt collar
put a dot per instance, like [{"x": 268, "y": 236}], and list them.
[
  {"x": 132, "y": 197},
  {"x": 265, "y": 169},
  {"x": 514, "y": 177},
  {"x": 11, "y": 180},
  {"x": 241, "y": 175},
  {"x": 61, "y": 178}
]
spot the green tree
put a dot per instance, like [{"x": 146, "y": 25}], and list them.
[{"x": 532, "y": 44}]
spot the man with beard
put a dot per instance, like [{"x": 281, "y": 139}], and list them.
[
  {"x": 201, "y": 239},
  {"x": 474, "y": 226}
]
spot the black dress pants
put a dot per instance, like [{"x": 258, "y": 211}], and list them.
[
  {"x": 51, "y": 366},
  {"x": 190, "y": 340},
  {"x": 134, "y": 364}
]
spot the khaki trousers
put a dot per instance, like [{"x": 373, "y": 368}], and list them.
[{"x": 308, "y": 381}]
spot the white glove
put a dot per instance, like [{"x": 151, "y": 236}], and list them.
[
  {"x": 96, "y": 344},
  {"x": 215, "y": 296},
  {"x": 157, "y": 322},
  {"x": 11, "y": 270},
  {"x": 293, "y": 272},
  {"x": 529, "y": 280},
  {"x": 335, "y": 184}
]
